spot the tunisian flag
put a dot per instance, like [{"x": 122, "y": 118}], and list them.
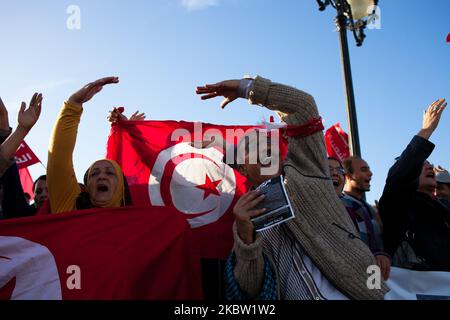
[
  {"x": 101, "y": 254},
  {"x": 164, "y": 169},
  {"x": 337, "y": 142}
]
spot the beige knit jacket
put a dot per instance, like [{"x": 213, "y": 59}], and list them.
[{"x": 342, "y": 260}]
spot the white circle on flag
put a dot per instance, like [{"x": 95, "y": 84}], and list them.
[
  {"x": 33, "y": 268},
  {"x": 200, "y": 183}
]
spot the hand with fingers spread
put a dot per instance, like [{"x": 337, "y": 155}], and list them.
[
  {"x": 28, "y": 118},
  {"x": 4, "y": 122},
  {"x": 116, "y": 115},
  {"x": 90, "y": 90},
  {"x": 431, "y": 118},
  {"x": 137, "y": 116},
  {"x": 244, "y": 211},
  {"x": 228, "y": 89},
  {"x": 65, "y": 193}
]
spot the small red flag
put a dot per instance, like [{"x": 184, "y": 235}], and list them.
[
  {"x": 27, "y": 181},
  {"x": 448, "y": 37},
  {"x": 337, "y": 142},
  {"x": 25, "y": 157}
]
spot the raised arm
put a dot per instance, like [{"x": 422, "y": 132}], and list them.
[
  {"x": 62, "y": 183},
  {"x": 295, "y": 107},
  {"x": 13, "y": 204},
  {"x": 307, "y": 154},
  {"x": 286, "y": 100},
  {"x": 27, "y": 118},
  {"x": 405, "y": 172}
]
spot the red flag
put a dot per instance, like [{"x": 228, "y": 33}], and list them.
[
  {"x": 27, "y": 181},
  {"x": 25, "y": 156},
  {"x": 448, "y": 37},
  {"x": 102, "y": 254},
  {"x": 164, "y": 169},
  {"x": 337, "y": 142}
]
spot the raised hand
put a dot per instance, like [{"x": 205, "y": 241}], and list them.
[
  {"x": 88, "y": 91},
  {"x": 116, "y": 115},
  {"x": 4, "y": 122},
  {"x": 228, "y": 89},
  {"x": 27, "y": 118},
  {"x": 137, "y": 116},
  {"x": 431, "y": 118}
]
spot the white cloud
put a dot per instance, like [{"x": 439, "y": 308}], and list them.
[{"x": 198, "y": 4}]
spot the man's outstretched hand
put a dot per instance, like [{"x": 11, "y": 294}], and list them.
[{"x": 227, "y": 89}]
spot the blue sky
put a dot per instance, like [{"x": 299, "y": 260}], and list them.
[{"x": 163, "y": 49}]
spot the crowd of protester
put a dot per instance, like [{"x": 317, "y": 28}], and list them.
[{"x": 324, "y": 252}]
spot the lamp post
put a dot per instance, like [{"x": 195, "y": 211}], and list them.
[{"x": 353, "y": 15}]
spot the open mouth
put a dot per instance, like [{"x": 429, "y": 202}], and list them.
[{"x": 102, "y": 188}]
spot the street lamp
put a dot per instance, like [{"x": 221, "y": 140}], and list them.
[{"x": 353, "y": 15}]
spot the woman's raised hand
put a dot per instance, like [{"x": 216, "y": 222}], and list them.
[{"x": 88, "y": 91}]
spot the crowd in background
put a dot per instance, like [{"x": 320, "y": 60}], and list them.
[{"x": 321, "y": 254}]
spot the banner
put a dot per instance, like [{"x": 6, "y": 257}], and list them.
[
  {"x": 337, "y": 142},
  {"x": 418, "y": 285},
  {"x": 101, "y": 254},
  {"x": 164, "y": 169},
  {"x": 25, "y": 157}
]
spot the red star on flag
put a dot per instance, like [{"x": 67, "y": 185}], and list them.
[{"x": 210, "y": 187}]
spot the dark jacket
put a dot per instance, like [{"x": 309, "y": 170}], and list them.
[
  {"x": 404, "y": 210},
  {"x": 14, "y": 204}
]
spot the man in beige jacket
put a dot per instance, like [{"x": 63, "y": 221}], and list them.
[{"x": 316, "y": 255}]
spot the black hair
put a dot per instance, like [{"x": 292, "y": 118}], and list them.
[
  {"x": 348, "y": 163},
  {"x": 43, "y": 178},
  {"x": 337, "y": 160}
]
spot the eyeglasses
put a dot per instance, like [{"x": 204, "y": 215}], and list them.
[{"x": 338, "y": 170}]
